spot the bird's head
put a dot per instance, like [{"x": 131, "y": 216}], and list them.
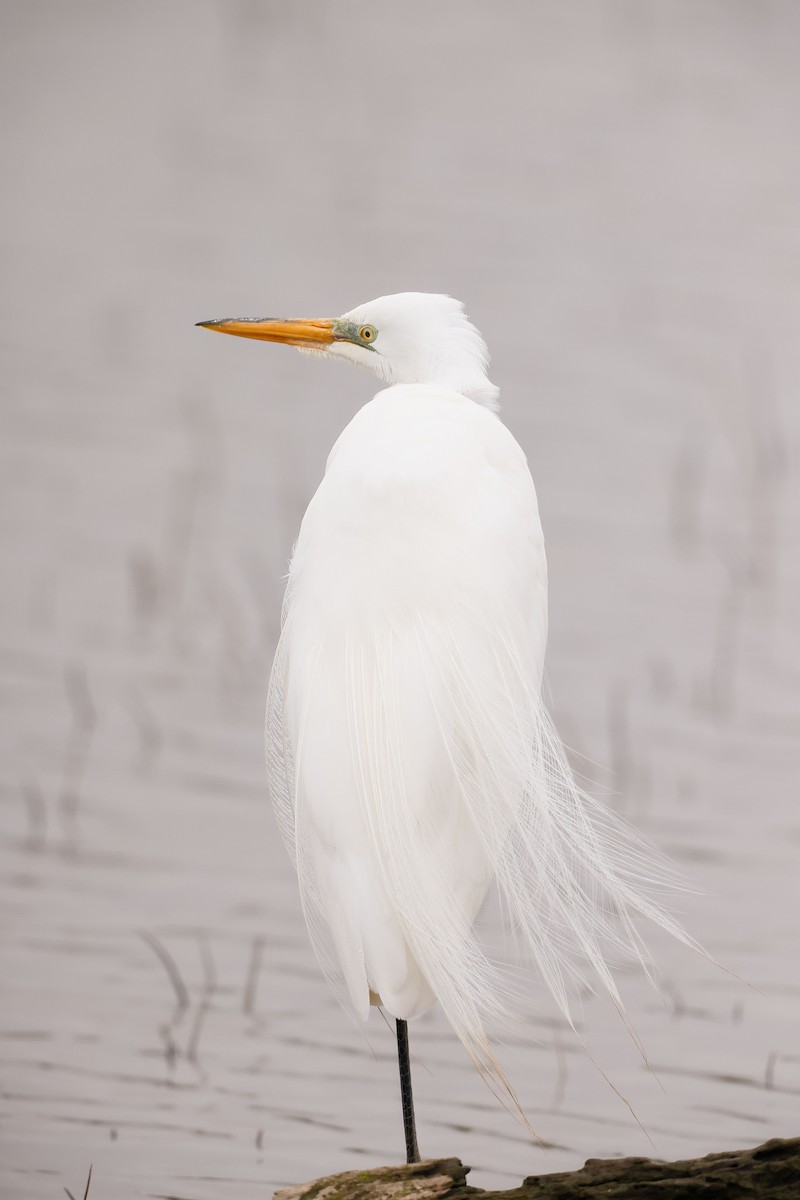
[{"x": 412, "y": 337}]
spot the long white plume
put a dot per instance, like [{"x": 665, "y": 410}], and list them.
[{"x": 494, "y": 778}]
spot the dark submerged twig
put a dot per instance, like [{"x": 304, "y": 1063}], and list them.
[
  {"x": 88, "y": 1184},
  {"x": 169, "y": 965},
  {"x": 253, "y": 974}
]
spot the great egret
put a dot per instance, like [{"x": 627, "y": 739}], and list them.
[{"x": 411, "y": 758}]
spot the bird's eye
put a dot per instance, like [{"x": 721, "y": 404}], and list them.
[{"x": 368, "y": 333}]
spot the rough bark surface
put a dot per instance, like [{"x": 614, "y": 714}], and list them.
[
  {"x": 431, "y": 1180},
  {"x": 771, "y": 1170}
]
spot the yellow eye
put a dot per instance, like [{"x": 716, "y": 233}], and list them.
[{"x": 367, "y": 333}]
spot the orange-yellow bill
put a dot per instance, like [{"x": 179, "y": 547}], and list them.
[{"x": 298, "y": 332}]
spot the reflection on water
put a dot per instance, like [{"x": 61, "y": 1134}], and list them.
[{"x": 613, "y": 195}]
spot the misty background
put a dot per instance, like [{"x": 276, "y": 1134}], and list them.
[{"x": 612, "y": 188}]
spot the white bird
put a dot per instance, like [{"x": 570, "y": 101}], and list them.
[{"x": 411, "y": 758}]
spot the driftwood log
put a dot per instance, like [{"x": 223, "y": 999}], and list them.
[{"x": 771, "y": 1170}]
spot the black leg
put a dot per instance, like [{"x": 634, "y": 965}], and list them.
[{"x": 409, "y": 1126}]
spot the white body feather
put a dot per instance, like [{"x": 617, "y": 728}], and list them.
[{"x": 411, "y": 758}]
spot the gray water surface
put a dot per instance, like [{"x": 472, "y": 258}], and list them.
[{"x": 613, "y": 189}]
